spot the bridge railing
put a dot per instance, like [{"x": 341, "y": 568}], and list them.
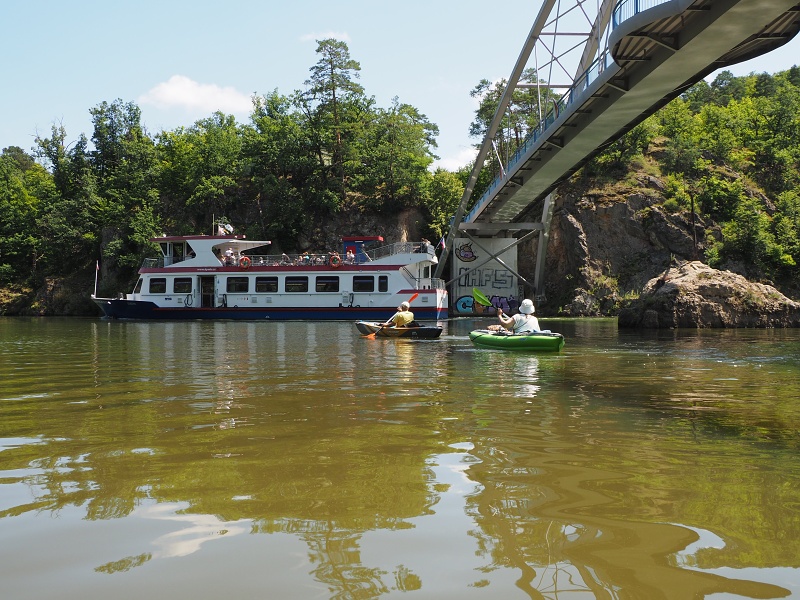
[{"x": 624, "y": 10}]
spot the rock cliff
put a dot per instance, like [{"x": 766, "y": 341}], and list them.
[{"x": 605, "y": 247}]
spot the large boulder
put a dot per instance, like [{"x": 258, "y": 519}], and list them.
[{"x": 693, "y": 294}]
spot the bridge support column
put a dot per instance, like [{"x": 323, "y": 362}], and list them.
[{"x": 541, "y": 252}]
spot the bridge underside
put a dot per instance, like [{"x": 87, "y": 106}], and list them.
[{"x": 658, "y": 54}]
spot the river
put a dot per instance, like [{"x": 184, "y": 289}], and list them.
[{"x": 299, "y": 460}]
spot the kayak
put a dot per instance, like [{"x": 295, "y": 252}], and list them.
[
  {"x": 541, "y": 340},
  {"x": 421, "y": 332}
]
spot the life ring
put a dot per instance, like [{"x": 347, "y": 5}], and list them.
[
  {"x": 245, "y": 262},
  {"x": 335, "y": 261}
]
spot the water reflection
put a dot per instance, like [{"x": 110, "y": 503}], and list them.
[
  {"x": 623, "y": 467},
  {"x": 195, "y": 531}
]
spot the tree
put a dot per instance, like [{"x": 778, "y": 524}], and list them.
[
  {"x": 200, "y": 169},
  {"x": 678, "y": 124},
  {"x": 527, "y": 109},
  {"x": 331, "y": 86},
  {"x": 396, "y": 151},
  {"x": 19, "y": 209},
  {"x": 445, "y": 191},
  {"x": 715, "y": 132},
  {"x": 287, "y": 181},
  {"x": 793, "y": 76},
  {"x": 726, "y": 87}
]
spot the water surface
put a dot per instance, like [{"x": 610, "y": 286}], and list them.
[{"x": 299, "y": 460}]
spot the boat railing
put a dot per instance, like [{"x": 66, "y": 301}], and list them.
[
  {"x": 430, "y": 283},
  {"x": 400, "y": 248},
  {"x": 163, "y": 261},
  {"x": 296, "y": 260},
  {"x": 306, "y": 259}
]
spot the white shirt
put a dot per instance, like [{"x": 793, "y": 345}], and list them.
[{"x": 525, "y": 323}]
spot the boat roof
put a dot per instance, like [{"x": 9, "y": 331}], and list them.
[{"x": 207, "y": 242}]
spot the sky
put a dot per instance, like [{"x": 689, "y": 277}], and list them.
[{"x": 181, "y": 60}]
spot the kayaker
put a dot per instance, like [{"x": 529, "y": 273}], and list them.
[
  {"x": 523, "y": 322},
  {"x": 401, "y": 318}
]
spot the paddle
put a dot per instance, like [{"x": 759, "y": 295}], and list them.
[
  {"x": 372, "y": 335},
  {"x": 480, "y": 298}
]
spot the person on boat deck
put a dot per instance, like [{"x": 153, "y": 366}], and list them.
[
  {"x": 401, "y": 318},
  {"x": 350, "y": 257},
  {"x": 423, "y": 247},
  {"x": 523, "y": 322}
]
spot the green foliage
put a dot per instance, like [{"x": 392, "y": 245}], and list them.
[
  {"x": 750, "y": 236},
  {"x": 393, "y": 171},
  {"x": 676, "y": 194},
  {"x": 621, "y": 153},
  {"x": 445, "y": 192},
  {"x": 680, "y": 126},
  {"x": 19, "y": 208},
  {"x": 527, "y": 108},
  {"x": 749, "y": 124},
  {"x": 719, "y": 197}
]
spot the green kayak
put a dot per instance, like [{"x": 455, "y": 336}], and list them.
[{"x": 543, "y": 341}]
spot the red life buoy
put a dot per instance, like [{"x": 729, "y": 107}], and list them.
[
  {"x": 335, "y": 261},
  {"x": 245, "y": 262}
]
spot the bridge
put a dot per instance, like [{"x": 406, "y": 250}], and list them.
[{"x": 618, "y": 62}]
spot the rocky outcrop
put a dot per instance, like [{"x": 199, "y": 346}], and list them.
[{"x": 694, "y": 295}]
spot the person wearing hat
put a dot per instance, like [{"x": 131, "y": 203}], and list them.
[
  {"x": 523, "y": 322},
  {"x": 401, "y": 318}
]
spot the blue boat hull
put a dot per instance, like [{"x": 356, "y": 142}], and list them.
[{"x": 132, "y": 309}]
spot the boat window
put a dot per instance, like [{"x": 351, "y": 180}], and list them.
[
  {"x": 296, "y": 284},
  {"x": 363, "y": 283},
  {"x": 182, "y": 285},
  {"x": 138, "y": 288},
  {"x": 238, "y": 285},
  {"x": 266, "y": 285},
  {"x": 383, "y": 283},
  {"x": 327, "y": 283},
  {"x": 158, "y": 285}
]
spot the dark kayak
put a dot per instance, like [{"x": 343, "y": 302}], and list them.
[{"x": 422, "y": 332}]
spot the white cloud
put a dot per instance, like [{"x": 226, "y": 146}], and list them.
[
  {"x": 452, "y": 163},
  {"x": 337, "y": 35},
  {"x": 181, "y": 92}
]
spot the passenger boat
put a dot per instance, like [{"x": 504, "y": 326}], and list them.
[
  {"x": 230, "y": 277},
  {"x": 544, "y": 341},
  {"x": 422, "y": 332}
]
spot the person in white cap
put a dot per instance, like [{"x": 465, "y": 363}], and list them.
[
  {"x": 523, "y": 322},
  {"x": 401, "y": 318}
]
